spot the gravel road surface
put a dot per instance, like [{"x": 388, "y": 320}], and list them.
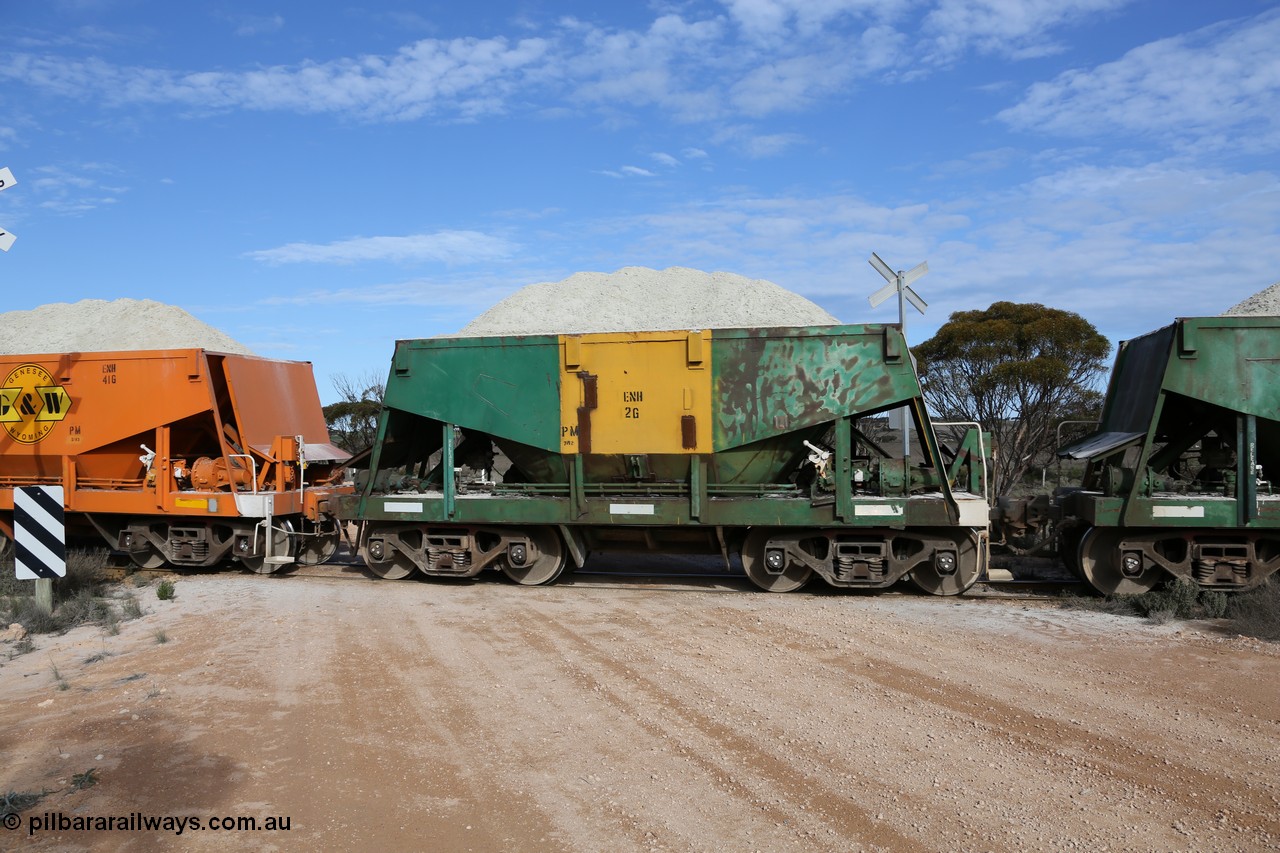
[{"x": 641, "y": 714}]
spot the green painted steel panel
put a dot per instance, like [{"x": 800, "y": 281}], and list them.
[
  {"x": 658, "y": 511},
  {"x": 770, "y": 381},
  {"x": 1233, "y": 362},
  {"x": 505, "y": 386}
]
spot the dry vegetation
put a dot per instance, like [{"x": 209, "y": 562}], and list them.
[
  {"x": 1252, "y": 614},
  {"x": 80, "y": 598}
]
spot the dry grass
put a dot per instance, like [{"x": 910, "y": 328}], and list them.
[
  {"x": 1257, "y": 613},
  {"x": 78, "y": 598}
]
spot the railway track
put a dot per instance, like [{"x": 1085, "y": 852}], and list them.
[{"x": 621, "y": 573}]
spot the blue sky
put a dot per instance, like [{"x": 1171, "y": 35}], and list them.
[{"x": 320, "y": 179}]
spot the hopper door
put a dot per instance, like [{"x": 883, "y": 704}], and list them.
[
  {"x": 272, "y": 398},
  {"x": 636, "y": 393}
]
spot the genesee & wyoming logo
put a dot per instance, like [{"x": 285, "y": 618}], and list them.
[{"x": 30, "y": 403}]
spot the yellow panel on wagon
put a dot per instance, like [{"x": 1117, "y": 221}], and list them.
[{"x": 636, "y": 392}]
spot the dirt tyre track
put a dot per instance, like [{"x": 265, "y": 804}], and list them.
[{"x": 631, "y": 715}]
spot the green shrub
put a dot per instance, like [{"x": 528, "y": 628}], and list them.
[
  {"x": 1257, "y": 613},
  {"x": 165, "y": 590},
  {"x": 1180, "y": 598},
  {"x": 1213, "y": 603},
  {"x": 1176, "y": 598},
  {"x": 84, "y": 572}
]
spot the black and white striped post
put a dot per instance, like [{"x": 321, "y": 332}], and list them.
[{"x": 39, "y": 539}]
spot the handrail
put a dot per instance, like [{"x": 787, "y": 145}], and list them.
[
  {"x": 1057, "y": 443},
  {"x": 253, "y": 467},
  {"x": 982, "y": 450}
]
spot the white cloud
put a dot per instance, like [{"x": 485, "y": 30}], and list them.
[
  {"x": 695, "y": 70},
  {"x": 1217, "y": 87},
  {"x": 783, "y": 85},
  {"x": 664, "y": 159},
  {"x": 664, "y": 65},
  {"x": 742, "y": 58},
  {"x": 770, "y": 144},
  {"x": 756, "y": 145},
  {"x": 627, "y": 172},
  {"x": 1127, "y": 247},
  {"x": 449, "y": 247},
  {"x": 463, "y": 77},
  {"x": 419, "y": 292},
  {"x": 771, "y": 20},
  {"x": 74, "y": 189},
  {"x": 256, "y": 25},
  {"x": 1020, "y": 29}
]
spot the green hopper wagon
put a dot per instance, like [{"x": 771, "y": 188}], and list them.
[
  {"x": 522, "y": 453},
  {"x": 1178, "y": 476}
]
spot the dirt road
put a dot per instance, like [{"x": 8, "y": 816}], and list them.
[{"x": 641, "y": 715}]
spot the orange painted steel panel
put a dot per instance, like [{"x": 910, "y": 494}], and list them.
[
  {"x": 274, "y": 398},
  {"x": 80, "y": 419},
  {"x": 111, "y": 398}
]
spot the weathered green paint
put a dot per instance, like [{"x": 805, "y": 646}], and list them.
[
  {"x": 697, "y": 487},
  {"x": 843, "y": 470},
  {"x": 505, "y": 386},
  {"x": 1235, "y": 363},
  {"x": 1218, "y": 512},
  {"x": 784, "y": 380},
  {"x": 446, "y": 467},
  {"x": 666, "y": 512}
]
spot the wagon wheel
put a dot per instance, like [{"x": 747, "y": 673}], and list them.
[
  {"x": 545, "y": 562},
  {"x": 148, "y": 559},
  {"x": 1069, "y": 550},
  {"x": 282, "y": 545},
  {"x": 317, "y": 545},
  {"x": 928, "y": 577},
  {"x": 387, "y": 563},
  {"x": 1099, "y": 559},
  {"x": 754, "y": 563}
]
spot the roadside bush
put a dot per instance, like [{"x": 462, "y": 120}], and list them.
[
  {"x": 1116, "y": 605},
  {"x": 1257, "y": 613},
  {"x": 1177, "y": 598},
  {"x": 84, "y": 572},
  {"x": 1180, "y": 599},
  {"x": 83, "y": 608},
  {"x": 18, "y": 801},
  {"x": 130, "y": 607},
  {"x": 165, "y": 590},
  {"x": 77, "y": 597}
]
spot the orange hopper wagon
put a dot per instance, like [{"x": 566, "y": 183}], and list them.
[{"x": 183, "y": 457}]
